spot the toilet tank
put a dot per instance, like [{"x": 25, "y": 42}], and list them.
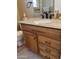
[{"x": 19, "y": 38}]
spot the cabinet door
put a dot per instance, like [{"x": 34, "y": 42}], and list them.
[{"x": 31, "y": 41}]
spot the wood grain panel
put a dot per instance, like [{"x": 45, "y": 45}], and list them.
[
  {"x": 21, "y": 8},
  {"x": 49, "y": 42},
  {"x": 51, "y": 33},
  {"x": 50, "y": 51},
  {"x": 31, "y": 41}
]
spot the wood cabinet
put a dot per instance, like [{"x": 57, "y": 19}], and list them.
[
  {"x": 31, "y": 41},
  {"x": 49, "y": 42},
  {"x": 47, "y": 51},
  {"x": 53, "y": 57},
  {"x": 45, "y": 41}
]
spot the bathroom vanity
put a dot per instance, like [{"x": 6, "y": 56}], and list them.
[{"x": 43, "y": 38}]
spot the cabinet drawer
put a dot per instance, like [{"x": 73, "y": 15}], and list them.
[
  {"x": 44, "y": 53},
  {"x": 47, "y": 56},
  {"x": 49, "y": 42},
  {"x": 49, "y": 35},
  {"x": 48, "y": 50},
  {"x": 54, "y": 52},
  {"x": 53, "y": 57},
  {"x": 44, "y": 48}
]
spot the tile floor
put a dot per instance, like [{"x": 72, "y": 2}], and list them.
[{"x": 27, "y": 54}]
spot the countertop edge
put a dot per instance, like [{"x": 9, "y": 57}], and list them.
[{"x": 41, "y": 26}]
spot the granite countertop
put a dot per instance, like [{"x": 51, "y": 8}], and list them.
[{"x": 52, "y": 23}]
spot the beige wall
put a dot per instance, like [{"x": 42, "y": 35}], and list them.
[
  {"x": 20, "y": 9},
  {"x": 58, "y": 5},
  {"x": 18, "y": 16}
]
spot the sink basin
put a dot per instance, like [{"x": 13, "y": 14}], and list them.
[
  {"x": 42, "y": 21},
  {"x": 37, "y": 21}
]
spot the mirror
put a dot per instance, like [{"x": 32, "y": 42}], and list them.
[
  {"x": 39, "y": 8},
  {"x": 43, "y": 5}
]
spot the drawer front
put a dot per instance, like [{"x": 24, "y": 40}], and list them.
[
  {"x": 54, "y": 52},
  {"x": 53, "y": 57},
  {"x": 48, "y": 50},
  {"x": 49, "y": 42},
  {"x": 44, "y": 48},
  {"x": 44, "y": 53},
  {"x": 50, "y": 35},
  {"x": 55, "y": 44},
  {"x": 44, "y": 40}
]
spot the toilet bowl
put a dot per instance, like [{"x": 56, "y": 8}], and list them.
[{"x": 19, "y": 38}]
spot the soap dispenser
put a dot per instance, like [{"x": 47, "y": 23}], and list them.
[
  {"x": 24, "y": 17},
  {"x": 56, "y": 14}
]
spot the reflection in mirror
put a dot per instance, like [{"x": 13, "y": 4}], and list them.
[
  {"x": 36, "y": 6},
  {"x": 42, "y": 8},
  {"x": 43, "y": 5}
]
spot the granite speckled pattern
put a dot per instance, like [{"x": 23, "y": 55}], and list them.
[
  {"x": 27, "y": 54},
  {"x": 52, "y": 23}
]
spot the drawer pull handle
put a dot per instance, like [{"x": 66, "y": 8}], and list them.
[
  {"x": 47, "y": 50},
  {"x": 47, "y": 57},
  {"x": 47, "y": 42}
]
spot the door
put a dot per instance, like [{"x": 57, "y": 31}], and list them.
[{"x": 31, "y": 41}]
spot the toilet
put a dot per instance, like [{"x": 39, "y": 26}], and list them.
[{"x": 19, "y": 38}]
